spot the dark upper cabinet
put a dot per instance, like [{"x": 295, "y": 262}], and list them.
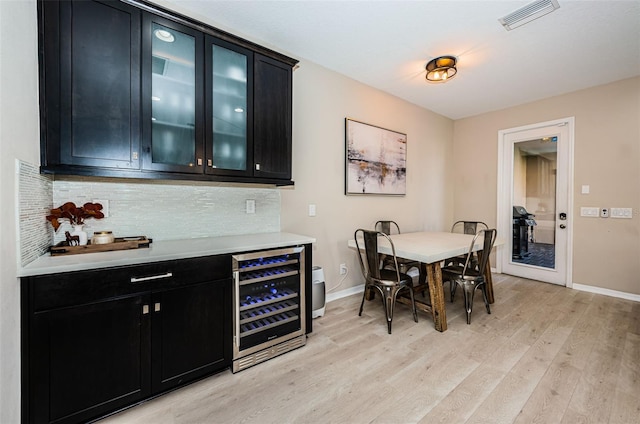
[
  {"x": 272, "y": 118},
  {"x": 229, "y": 108},
  {"x": 90, "y": 84},
  {"x": 144, "y": 93},
  {"x": 172, "y": 95}
]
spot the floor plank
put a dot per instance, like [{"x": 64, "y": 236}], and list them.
[{"x": 545, "y": 354}]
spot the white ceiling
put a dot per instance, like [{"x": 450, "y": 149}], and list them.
[{"x": 386, "y": 44}]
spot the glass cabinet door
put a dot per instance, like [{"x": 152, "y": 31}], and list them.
[
  {"x": 173, "y": 141},
  {"x": 229, "y": 109}
]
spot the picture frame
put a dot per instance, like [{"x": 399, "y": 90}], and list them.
[{"x": 375, "y": 160}]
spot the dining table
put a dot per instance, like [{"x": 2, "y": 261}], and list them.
[{"x": 430, "y": 248}]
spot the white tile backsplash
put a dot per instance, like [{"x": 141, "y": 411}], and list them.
[
  {"x": 161, "y": 210},
  {"x": 35, "y": 192},
  {"x": 165, "y": 210}
]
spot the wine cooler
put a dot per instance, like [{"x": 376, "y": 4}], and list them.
[{"x": 269, "y": 305}]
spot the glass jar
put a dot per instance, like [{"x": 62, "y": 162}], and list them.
[{"x": 102, "y": 237}]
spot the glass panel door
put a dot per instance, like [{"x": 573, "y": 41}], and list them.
[
  {"x": 534, "y": 210},
  {"x": 229, "y": 109},
  {"x": 229, "y": 130},
  {"x": 534, "y": 202},
  {"x": 173, "y": 81},
  {"x": 173, "y": 97}
]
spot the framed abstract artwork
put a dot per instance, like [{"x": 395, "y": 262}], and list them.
[{"x": 376, "y": 160}]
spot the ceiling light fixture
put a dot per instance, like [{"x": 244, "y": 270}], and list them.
[
  {"x": 164, "y": 35},
  {"x": 441, "y": 69},
  {"x": 528, "y": 13}
]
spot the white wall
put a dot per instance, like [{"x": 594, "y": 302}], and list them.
[
  {"x": 322, "y": 101},
  {"x": 606, "y": 252},
  {"x": 19, "y": 139}
]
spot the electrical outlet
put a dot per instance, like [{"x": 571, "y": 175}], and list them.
[
  {"x": 251, "y": 206},
  {"x": 343, "y": 269},
  {"x": 604, "y": 213}
]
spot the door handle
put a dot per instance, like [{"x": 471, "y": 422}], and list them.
[
  {"x": 562, "y": 226},
  {"x": 563, "y": 216}
]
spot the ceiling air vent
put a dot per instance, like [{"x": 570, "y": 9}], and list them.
[{"x": 528, "y": 13}]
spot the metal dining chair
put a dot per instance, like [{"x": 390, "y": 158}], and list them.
[
  {"x": 468, "y": 227},
  {"x": 389, "y": 228},
  {"x": 471, "y": 275},
  {"x": 388, "y": 282},
  {"x": 463, "y": 227}
]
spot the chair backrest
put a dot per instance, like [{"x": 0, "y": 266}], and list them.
[
  {"x": 468, "y": 227},
  {"x": 369, "y": 239},
  {"x": 388, "y": 227},
  {"x": 489, "y": 239}
]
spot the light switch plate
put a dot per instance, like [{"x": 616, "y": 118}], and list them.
[
  {"x": 621, "y": 213},
  {"x": 312, "y": 210},
  {"x": 591, "y": 212}
]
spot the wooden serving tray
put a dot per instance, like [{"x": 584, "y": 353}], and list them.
[{"x": 120, "y": 243}]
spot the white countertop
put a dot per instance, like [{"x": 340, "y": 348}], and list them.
[{"x": 162, "y": 251}]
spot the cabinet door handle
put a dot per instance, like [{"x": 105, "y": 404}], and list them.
[
  {"x": 156, "y": 307},
  {"x": 257, "y": 166},
  {"x": 145, "y": 309},
  {"x": 210, "y": 163},
  {"x": 152, "y": 277},
  {"x": 199, "y": 161}
]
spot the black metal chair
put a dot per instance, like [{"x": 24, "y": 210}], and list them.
[
  {"x": 463, "y": 227},
  {"x": 388, "y": 282},
  {"x": 471, "y": 275},
  {"x": 468, "y": 227},
  {"x": 389, "y": 228}
]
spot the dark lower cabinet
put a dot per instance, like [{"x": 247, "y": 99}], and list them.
[
  {"x": 188, "y": 327},
  {"x": 88, "y": 360},
  {"x": 94, "y": 342}
]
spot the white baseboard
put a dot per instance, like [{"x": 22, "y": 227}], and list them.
[
  {"x": 344, "y": 293},
  {"x": 607, "y": 292}
]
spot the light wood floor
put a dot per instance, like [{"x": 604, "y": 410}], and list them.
[{"x": 546, "y": 354}]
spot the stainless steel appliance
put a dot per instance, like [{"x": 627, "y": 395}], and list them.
[
  {"x": 523, "y": 224},
  {"x": 269, "y": 305}
]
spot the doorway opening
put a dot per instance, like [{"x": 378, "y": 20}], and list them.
[
  {"x": 535, "y": 180},
  {"x": 534, "y": 196}
]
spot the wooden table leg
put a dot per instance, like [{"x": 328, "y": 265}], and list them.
[
  {"x": 489, "y": 281},
  {"x": 434, "y": 281}
]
